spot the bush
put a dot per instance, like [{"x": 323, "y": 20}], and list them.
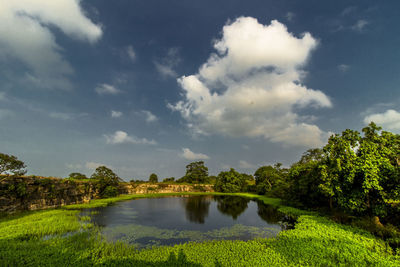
[{"x": 110, "y": 191}]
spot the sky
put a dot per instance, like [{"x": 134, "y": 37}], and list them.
[{"x": 150, "y": 86}]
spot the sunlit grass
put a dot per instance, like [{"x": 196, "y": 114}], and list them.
[{"x": 316, "y": 241}]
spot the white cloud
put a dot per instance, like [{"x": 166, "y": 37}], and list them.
[
  {"x": 343, "y": 67},
  {"x": 252, "y": 85},
  {"x": 150, "y": 117},
  {"x": 165, "y": 66},
  {"x": 389, "y": 120},
  {"x": 121, "y": 137},
  {"x": 190, "y": 155},
  {"x": 290, "y": 16},
  {"x": 130, "y": 52},
  {"x": 116, "y": 114},
  {"x": 25, "y": 30},
  {"x": 103, "y": 89},
  {"x": 245, "y": 165},
  {"x": 359, "y": 25},
  {"x": 2, "y": 96}
]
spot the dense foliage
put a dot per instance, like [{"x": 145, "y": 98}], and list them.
[
  {"x": 196, "y": 173},
  {"x": 77, "y": 176},
  {"x": 358, "y": 174},
  {"x": 10, "y": 164},
  {"x": 230, "y": 181},
  {"x": 270, "y": 177},
  {"x": 153, "y": 178},
  {"x": 106, "y": 181}
]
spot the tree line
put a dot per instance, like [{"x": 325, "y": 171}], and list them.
[{"x": 358, "y": 173}]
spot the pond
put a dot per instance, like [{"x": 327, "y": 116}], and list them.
[{"x": 174, "y": 220}]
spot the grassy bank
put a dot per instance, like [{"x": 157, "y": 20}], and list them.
[{"x": 60, "y": 237}]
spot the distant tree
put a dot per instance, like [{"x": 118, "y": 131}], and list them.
[
  {"x": 106, "y": 180},
  {"x": 196, "y": 173},
  {"x": 77, "y": 175},
  {"x": 11, "y": 165},
  {"x": 230, "y": 181},
  {"x": 169, "y": 180},
  {"x": 153, "y": 178},
  {"x": 269, "y": 177}
]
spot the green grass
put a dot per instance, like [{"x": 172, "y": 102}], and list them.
[{"x": 316, "y": 241}]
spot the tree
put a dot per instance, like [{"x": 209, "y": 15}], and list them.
[
  {"x": 304, "y": 179},
  {"x": 230, "y": 181},
  {"x": 11, "y": 165},
  {"x": 153, "y": 178},
  {"x": 268, "y": 177},
  {"x": 77, "y": 175},
  {"x": 196, "y": 173},
  {"x": 107, "y": 181},
  {"x": 360, "y": 174},
  {"x": 169, "y": 180}
]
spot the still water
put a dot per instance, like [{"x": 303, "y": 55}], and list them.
[{"x": 173, "y": 220}]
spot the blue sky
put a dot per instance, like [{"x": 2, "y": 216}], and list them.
[{"x": 150, "y": 86}]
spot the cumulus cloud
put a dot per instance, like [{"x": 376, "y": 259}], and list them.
[
  {"x": 165, "y": 66},
  {"x": 252, "y": 85},
  {"x": 190, "y": 155},
  {"x": 106, "y": 89},
  {"x": 121, "y": 137},
  {"x": 245, "y": 165},
  {"x": 116, "y": 114},
  {"x": 389, "y": 120},
  {"x": 26, "y": 35}
]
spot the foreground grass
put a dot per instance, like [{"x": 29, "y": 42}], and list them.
[{"x": 316, "y": 241}]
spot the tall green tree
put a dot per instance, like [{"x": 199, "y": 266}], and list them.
[
  {"x": 153, "y": 178},
  {"x": 269, "y": 177},
  {"x": 304, "y": 179},
  {"x": 360, "y": 174},
  {"x": 10, "y": 164},
  {"x": 196, "y": 173},
  {"x": 230, "y": 181},
  {"x": 106, "y": 181}
]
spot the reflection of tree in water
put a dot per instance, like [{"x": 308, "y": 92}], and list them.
[
  {"x": 197, "y": 208},
  {"x": 231, "y": 205},
  {"x": 268, "y": 213}
]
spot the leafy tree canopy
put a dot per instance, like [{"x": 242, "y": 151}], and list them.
[
  {"x": 230, "y": 181},
  {"x": 267, "y": 177},
  {"x": 196, "y": 173},
  {"x": 77, "y": 175},
  {"x": 106, "y": 179},
  {"x": 11, "y": 165},
  {"x": 361, "y": 173},
  {"x": 153, "y": 178}
]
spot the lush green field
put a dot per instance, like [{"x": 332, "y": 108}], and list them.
[{"x": 60, "y": 237}]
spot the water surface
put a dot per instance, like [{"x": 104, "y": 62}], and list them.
[{"x": 173, "y": 220}]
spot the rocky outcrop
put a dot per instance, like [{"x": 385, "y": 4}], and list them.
[
  {"x": 33, "y": 193},
  {"x": 145, "y": 188}
]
